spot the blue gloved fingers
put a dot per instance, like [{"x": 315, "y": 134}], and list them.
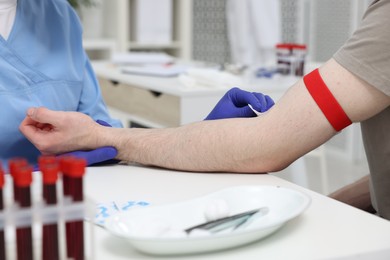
[
  {"x": 260, "y": 104},
  {"x": 241, "y": 98},
  {"x": 265, "y": 102},
  {"x": 246, "y": 112},
  {"x": 103, "y": 123},
  {"x": 235, "y": 104},
  {"x": 258, "y": 101},
  {"x": 270, "y": 102},
  {"x": 98, "y": 155}
]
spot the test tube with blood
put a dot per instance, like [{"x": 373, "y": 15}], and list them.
[
  {"x": 2, "y": 239},
  {"x": 13, "y": 165},
  {"x": 73, "y": 171},
  {"x": 22, "y": 181},
  {"x": 49, "y": 168},
  {"x": 64, "y": 165}
]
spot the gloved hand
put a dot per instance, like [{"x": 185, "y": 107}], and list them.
[
  {"x": 101, "y": 155},
  {"x": 235, "y": 104}
]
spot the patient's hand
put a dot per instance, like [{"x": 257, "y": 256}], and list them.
[{"x": 54, "y": 132}]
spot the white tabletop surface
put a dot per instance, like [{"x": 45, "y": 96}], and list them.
[
  {"x": 173, "y": 86},
  {"x": 326, "y": 230}
]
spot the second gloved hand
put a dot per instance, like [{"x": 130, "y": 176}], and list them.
[
  {"x": 104, "y": 154},
  {"x": 235, "y": 104}
]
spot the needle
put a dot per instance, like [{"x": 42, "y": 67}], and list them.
[{"x": 235, "y": 221}]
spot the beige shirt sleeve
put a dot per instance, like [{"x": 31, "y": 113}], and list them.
[{"x": 367, "y": 53}]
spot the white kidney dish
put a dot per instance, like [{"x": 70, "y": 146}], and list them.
[{"x": 146, "y": 228}]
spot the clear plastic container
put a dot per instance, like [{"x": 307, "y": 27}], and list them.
[
  {"x": 290, "y": 58},
  {"x": 283, "y": 58},
  {"x": 299, "y": 52}
]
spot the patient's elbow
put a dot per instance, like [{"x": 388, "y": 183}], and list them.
[
  {"x": 279, "y": 164},
  {"x": 267, "y": 165}
]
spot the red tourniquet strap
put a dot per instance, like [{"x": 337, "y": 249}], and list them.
[{"x": 326, "y": 101}]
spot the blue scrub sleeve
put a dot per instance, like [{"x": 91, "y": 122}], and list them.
[{"x": 91, "y": 100}]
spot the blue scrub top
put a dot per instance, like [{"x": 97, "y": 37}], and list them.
[{"x": 43, "y": 63}]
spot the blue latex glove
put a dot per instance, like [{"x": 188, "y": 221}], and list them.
[
  {"x": 235, "y": 104},
  {"x": 101, "y": 155}
]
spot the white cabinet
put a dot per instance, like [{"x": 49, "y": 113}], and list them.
[{"x": 117, "y": 27}]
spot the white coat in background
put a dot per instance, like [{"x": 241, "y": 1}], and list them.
[{"x": 254, "y": 27}]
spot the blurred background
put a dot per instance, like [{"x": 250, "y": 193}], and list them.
[{"x": 199, "y": 29}]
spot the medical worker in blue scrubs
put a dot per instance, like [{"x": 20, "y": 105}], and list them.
[{"x": 42, "y": 63}]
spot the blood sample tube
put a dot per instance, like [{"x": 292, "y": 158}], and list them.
[
  {"x": 76, "y": 172},
  {"x": 13, "y": 165},
  {"x": 64, "y": 165},
  {"x": 283, "y": 58},
  {"x": 64, "y": 168},
  {"x": 2, "y": 239},
  {"x": 49, "y": 169},
  {"x": 22, "y": 180},
  {"x": 73, "y": 170},
  {"x": 299, "y": 53}
]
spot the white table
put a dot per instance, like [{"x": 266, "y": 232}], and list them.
[{"x": 326, "y": 230}]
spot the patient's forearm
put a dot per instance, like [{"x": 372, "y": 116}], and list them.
[
  {"x": 263, "y": 144},
  {"x": 202, "y": 146},
  {"x": 292, "y": 127}
]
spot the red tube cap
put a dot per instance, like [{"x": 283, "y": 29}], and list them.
[
  {"x": 2, "y": 180},
  {"x": 284, "y": 46},
  {"x": 46, "y": 159},
  {"x": 65, "y": 162},
  {"x": 76, "y": 167},
  {"x": 15, "y": 163},
  {"x": 300, "y": 46},
  {"x": 23, "y": 176},
  {"x": 50, "y": 173}
]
